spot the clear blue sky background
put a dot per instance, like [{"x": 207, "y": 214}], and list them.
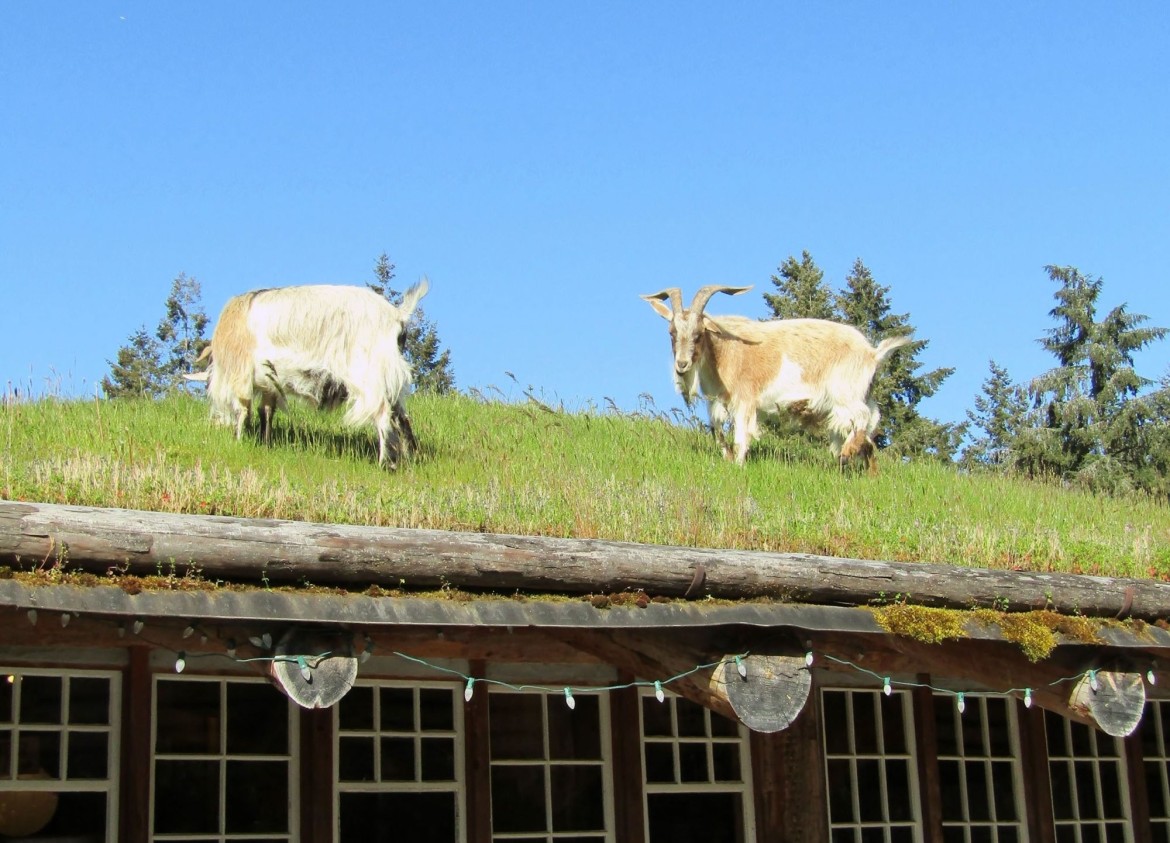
[{"x": 545, "y": 163}]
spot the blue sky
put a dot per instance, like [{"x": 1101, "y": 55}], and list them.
[{"x": 545, "y": 163}]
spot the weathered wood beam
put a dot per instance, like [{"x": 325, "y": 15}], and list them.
[{"x": 251, "y": 550}]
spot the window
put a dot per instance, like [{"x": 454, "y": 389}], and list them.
[
  {"x": 399, "y": 763},
  {"x": 979, "y": 776},
  {"x": 869, "y": 767},
  {"x": 58, "y": 754},
  {"x": 1090, "y": 803},
  {"x": 223, "y": 770},
  {"x": 697, "y": 773},
  {"x": 549, "y": 768},
  {"x": 1156, "y": 752}
]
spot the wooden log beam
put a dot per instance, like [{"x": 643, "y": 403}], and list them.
[{"x": 252, "y": 550}]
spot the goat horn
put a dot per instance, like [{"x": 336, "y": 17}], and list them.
[
  {"x": 672, "y": 293},
  {"x": 705, "y": 293}
]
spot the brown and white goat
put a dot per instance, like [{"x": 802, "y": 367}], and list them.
[
  {"x": 326, "y": 344},
  {"x": 816, "y": 370}
]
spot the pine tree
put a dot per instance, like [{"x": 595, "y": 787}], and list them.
[
  {"x": 897, "y": 387},
  {"x": 1089, "y": 425},
  {"x": 138, "y": 371},
  {"x": 1000, "y": 412},
  {"x": 430, "y": 365},
  {"x": 182, "y": 330},
  {"x": 801, "y": 291}
]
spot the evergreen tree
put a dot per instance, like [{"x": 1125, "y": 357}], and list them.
[
  {"x": 138, "y": 371},
  {"x": 1088, "y": 424},
  {"x": 898, "y": 387},
  {"x": 1000, "y": 412},
  {"x": 182, "y": 330},
  {"x": 430, "y": 365},
  {"x": 801, "y": 291}
]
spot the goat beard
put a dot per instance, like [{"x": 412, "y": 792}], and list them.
[{"x": 688, "y": 387}]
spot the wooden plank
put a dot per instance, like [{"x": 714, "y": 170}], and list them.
[
  {"x": 1139, "y": 801},
  {"x": 625, "y": 725},
  {"x": 316, "y": 774},
  {"x": 477, "y": 762},
  {"x": 1036, "y": 776},
  {"x": 247, "y": 550},
  {"x": 135, "y": 775},
  {"x": 926, "y": 741}
]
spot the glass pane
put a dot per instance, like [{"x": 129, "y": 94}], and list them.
[
  {"x": 1066, "y": 834},
  {"x": 438, "y": 760},
  {"x": 659, "y": 762},
  {"x": 692, "y": 762},
  {"x": 869, "y": 792},
  {"x": 88, "y": 755},
  {"x": 836, "y": 725},
  {"x": 257, "y": 721},
  {"x": 692, "y": 718},
  {"x": 711, "y": 817},
  {"x": 944, "y": 725},
  {"x": 656, "y": 718},
  {"x": 894, "y": 725},
  {"x": 901, "y": 805},
  {"x": 723, "y": 727},
  {"x": 1086, "y": 790},
  {"x": 518, "y": 799},
  {"x": 1154, "y": 795},
  {"x": 841, "y": 791},
  {"x": 574, "y": 734},
  {"x": 1111, "y": 774},
  {"x": 89, "y": 701},
  {"x": 864, "y": 723},
  {"x": 1054, "y": 732},
  {"x": 40, "y": 699},
  {"x": 998, "y": 732},
  {"x": 397, "y": 709},
  {"x": 1003, "y": 784},
  {"x": 1115, "y": 833},
  {"x": 844, "y": 835},
  {"x": 355, "y": 759},
  {"x": 394, "y": 817},
  {"x": 873, "y": 834},
  {"x": 1090, "y": 833},
  {"x": 66, "y": 816},
  {"x": 186, "y": 797},
  {"x": 901, "y": 834},
  {"x": 981, "y": 834},
  {"x": 257, "y": 797},
  {"x": 397, "y": 759},
  {"x": 950, "y": 784},
  {"x": 954, "y": 834},
  {"x": 978, "y": 798},
  {"x": 725, "y": 757},
  {"x": 40, "y": 754},
  {"x": 1082, "y": 740},
  {"x": 516, "y": 724},
  {"x": 436, "y": 710},
  {"x": 7, "y": 684},
  {"x": 577, "y": 798},
  {"x": 355, "y": 711},
  {"x": 5, "y": 754},
  {"x": 1062, "y": 795},
  {"x": 1008, "y": 834},
  {"x": 188, "y": 717}
]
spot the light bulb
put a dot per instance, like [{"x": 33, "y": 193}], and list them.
[
  {"x": 658, "y": 692},
  {"x": 569, "y": 701},
  {"x": 469, "y": 690}
]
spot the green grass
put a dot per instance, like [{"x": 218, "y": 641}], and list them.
[{"x": 521, "y": 468}]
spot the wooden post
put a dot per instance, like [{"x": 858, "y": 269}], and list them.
[
  {"x": 1036, "y": 776},
  {"x": 316, "y": 774},
  {"x": 477, "y": 763},
  {"x": 625, "y": 726},
  {"x": 137, "y": 714},
  {"x": 788, "y": 777},
  {"x": 926, "y": 741},
  {"x": 1139, "y": 803}
]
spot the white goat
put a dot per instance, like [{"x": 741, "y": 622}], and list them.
[
  {"x": 816, "y": 370},
  {"x": 326, "y": 344}
]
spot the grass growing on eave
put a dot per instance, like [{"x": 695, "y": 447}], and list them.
[{"x": 512, "y": 468}]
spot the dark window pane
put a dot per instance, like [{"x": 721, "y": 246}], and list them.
[
  {"x": 577, "y": 799},
  {"x": 972, "y": 726},
  {"x": 438, "y": 759},
  {"x": 1090, "y": 833},
  {"x": 1062, "y": 794},
  {"x": 77, "y": 816},
  {"x": 7, "y": 683},
  {"x": 692, "y": 762},
  {"x": 659, "y": 762},
  {"x": 186, "y": 797},
  {"x": 5, "y": 754},
  {"x": 1054, "y": 732},
  {"x": 843, "y": 835},
  {"x": 725, "y": 757},
  {"x": 355, "y": 711},
  {"x": 1008, "y": 834},
  {"x": 1086, "y": 790},
  {"x": 1066, "y": 834},
  {"x": 397, "y": 817},
  {"x": 397, "y": 709},
  {"x": 397, "y": 759},
  {"x": 836, "y": 725},
  {"x": 1082, "y": 740},
  {"x": 901, "y": 834},
  {"x": 712, "y": 817},
  {"x": 656, "y": 718},
  {"x": 518, "y": 799},
  {"x": 864, "y": 723},
  {"x": 1115, "y": 833},
  {"x": 954, "y": 834},
  {"x": 257, "y": 797},
  {"x": 574, "y": 734},
  {"x": 40, "y": 699},
  {"x": 893, "y": 725},
  {"x": 40, "y": 752},
  {"x": 873, "y": 834},
  {"x": 723, "y": 727},
  {"x": 1111, "y": 790},
  {"x": 355, "y": 759},
  {"x": 978, "y": 798},
  {"x": 1154, "y": 772},
  {"x": 89, "y": 701},
  {"x": 1147, "y": 731},
  {"x": 187, "y": 717},
  {"x": 999, "y": 735},
  {"x": 1003, "y": 784},
  {"x": 840, "y": 791},
  {"x": 869, "y": 792},
  {"x": 436, "y": 711},
  {"x": 257, "y": 719},
  {"x": 901, "y": 806},
  {"x": 981, "y": 834},
  {"x": 951, "y": 788},
  {"x": 944, "y": 725},
  {"x": 692, "y": 718},
  {"x": 516, "y": 724},
  {"x": 88, "y": 755}
]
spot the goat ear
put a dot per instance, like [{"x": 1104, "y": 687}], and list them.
[
  {"x": 411, "y": 298},
  {"x": 662, "y": 309}
]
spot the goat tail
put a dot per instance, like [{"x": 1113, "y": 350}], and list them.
[{"x": 888, "y": 345}]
